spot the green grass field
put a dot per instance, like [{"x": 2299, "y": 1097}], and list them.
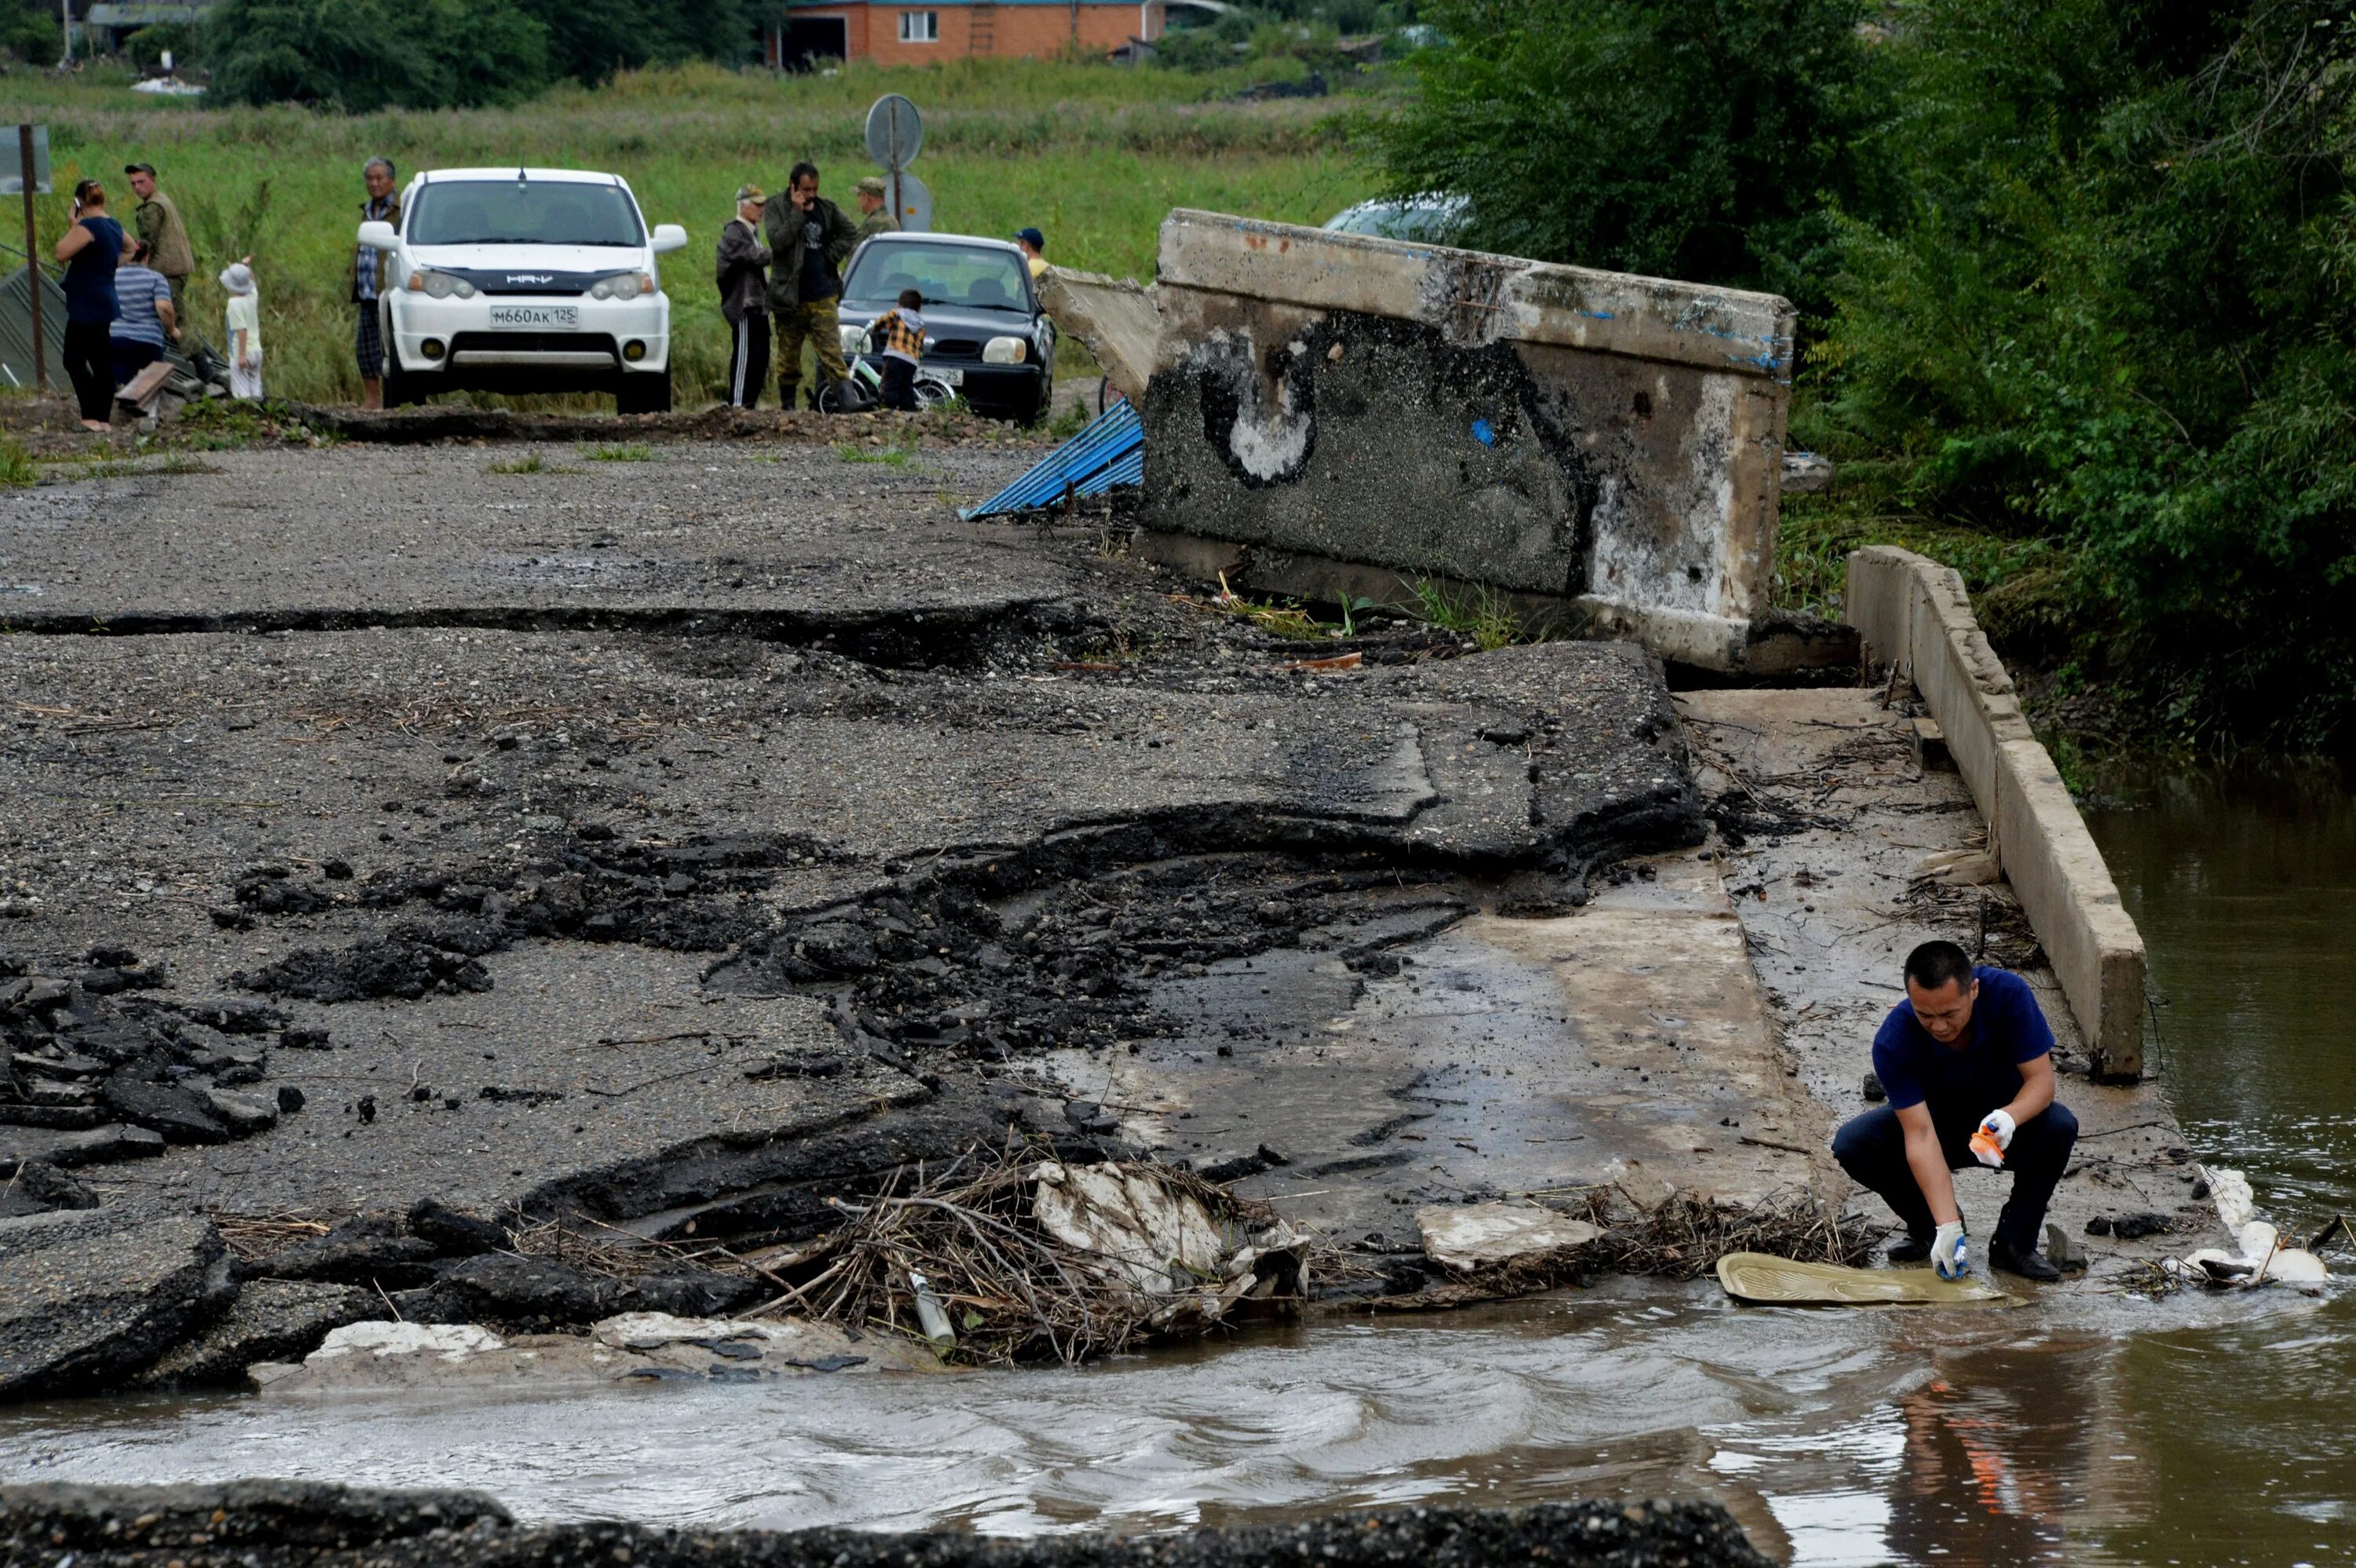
[{"x": 1092, "y": 154}]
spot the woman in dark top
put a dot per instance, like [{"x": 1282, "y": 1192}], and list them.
[{"x": 91, "y": 250}]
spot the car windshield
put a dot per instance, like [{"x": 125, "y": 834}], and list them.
[
  {"x": 1420, "y": 218},
  {"x": 967, "y": 275},
  {"x": 515, "y": 212}
]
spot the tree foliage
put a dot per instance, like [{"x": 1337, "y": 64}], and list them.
[
  {"x": 360, "y": 56},
  {"x": 364, "y": 55},
  {"x": 589, "y": 40},
  {"x": 2114, "y": 309},
  {"x": 2076, "y": 272},
  {"x": 1701, "y": 139}
]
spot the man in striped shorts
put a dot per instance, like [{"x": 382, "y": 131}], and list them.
[{"x": 745, "y": 298}]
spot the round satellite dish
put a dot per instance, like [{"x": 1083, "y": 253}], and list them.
[
  {"x": 893, "y": 126},
  {"x": 912, "y": 203}
]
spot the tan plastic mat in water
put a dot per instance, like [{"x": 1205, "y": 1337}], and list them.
[{"x": 1782, "y": 1282}]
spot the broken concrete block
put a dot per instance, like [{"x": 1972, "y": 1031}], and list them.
[
  {"x": 1613, "y": 443},
  {"x": 272, "y": 1320},
  {"x": 1931, "y": 754},
  {"x": 1115, "y": 317},
  {"x": 1960, "y": 868},
  {"x": 1124, "y": 1212},
  {"x": 1479, "y": 1235},
  {"x": 94, "y": 1296}
]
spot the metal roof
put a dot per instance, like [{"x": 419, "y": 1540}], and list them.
[
  {"x": 944, "y": 5},
  {"x": 141, "y": 13}
]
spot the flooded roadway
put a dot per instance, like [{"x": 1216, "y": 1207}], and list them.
[{"x": 2192, "y": 1431}]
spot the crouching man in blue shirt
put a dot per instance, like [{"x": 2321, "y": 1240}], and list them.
[{"x": 1967, "y": 1052}]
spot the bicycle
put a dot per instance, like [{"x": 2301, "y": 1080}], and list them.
[{"x": 864, "y": 390}]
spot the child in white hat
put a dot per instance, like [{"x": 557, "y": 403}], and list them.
[{"x": 244, "y": 330}]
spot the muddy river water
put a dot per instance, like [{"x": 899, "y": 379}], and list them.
[{"x": 2114, "y": 1430}]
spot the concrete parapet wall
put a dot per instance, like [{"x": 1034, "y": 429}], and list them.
[
  {"x": 1114, "y": 316},
  {"x": 1611, "y": 441},
  {"x": 1912, "y": 614}
]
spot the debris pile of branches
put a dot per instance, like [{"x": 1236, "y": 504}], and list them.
[
  {"x": 1680, "y": 1237},
  {"x": 999, "y": 1260},
  {"x": 609, "y": 1253},
  {"x": 1684, "y": 1235}
]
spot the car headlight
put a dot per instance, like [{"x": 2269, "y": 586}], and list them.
[
  {"x": 853, "y": 340},
  {"x": 622, "y": 286},
  {"x": 440, "y": 285},
  {"x": 1005, "y": 351}
]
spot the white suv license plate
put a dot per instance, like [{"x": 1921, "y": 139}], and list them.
[{"x": 538, "y": 317}]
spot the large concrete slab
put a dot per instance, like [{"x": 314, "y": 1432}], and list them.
[{"x": 1625, "y": 1043}]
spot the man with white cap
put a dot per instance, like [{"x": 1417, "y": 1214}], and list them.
[{"x": 745, "y": 298}]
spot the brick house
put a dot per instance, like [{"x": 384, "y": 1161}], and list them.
[{"x": 918, "y": 32}]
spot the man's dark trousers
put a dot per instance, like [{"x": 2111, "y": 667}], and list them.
[
  {"x": 1872, "y": 1149},
  {"x": 748, "y": 359}
]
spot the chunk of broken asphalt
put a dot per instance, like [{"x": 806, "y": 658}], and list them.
[
  {"x": 94, "y": 1296},
  {"x": 67, "y": 1148},
  {"x": 455, "y": 1232},
  {"x": 365, "y": 1250},
  {"x": 39, "y": 1187},
  {"x": 181, "y": 1115},
  {"x": 529, "y": 1294}
]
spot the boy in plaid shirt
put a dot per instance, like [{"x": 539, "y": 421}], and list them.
[{"x": 903, "y": 345}]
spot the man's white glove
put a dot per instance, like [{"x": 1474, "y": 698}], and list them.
[
  {"x": 1951, "y": 1250},
  {"x": 1996, "y": 1125}
]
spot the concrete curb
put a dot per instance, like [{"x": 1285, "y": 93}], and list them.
[{"x": 1912, "y": 614}]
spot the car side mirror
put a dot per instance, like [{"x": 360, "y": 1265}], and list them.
[
  {"x": 669, "y": 237},
  {"x": 379, "y": 235}
]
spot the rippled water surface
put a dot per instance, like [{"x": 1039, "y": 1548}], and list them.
[{"x": 2117, "y": 1431}]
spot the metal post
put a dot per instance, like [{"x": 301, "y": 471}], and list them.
[
  {"x": 32, "y": 263},
  {"x": 892, "y": 174}
]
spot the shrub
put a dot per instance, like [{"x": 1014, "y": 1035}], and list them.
[
  {"x": 1696, "y": 139},
  {"x": 148, "y": 45},
  {"x": 29, "y": 31}
]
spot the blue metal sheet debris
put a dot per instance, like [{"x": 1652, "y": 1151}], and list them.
[{"x": 1110, "y": 452}]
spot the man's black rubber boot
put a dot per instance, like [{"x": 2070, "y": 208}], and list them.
[
  {"x": 2027, "y": 1265},
  {"x": 1913, "y": 1250}
]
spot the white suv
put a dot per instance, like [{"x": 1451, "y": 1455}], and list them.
[{"x": 524, "y": 281}]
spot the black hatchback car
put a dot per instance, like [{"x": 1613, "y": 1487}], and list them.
[{"x": 984, "y": 332}]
